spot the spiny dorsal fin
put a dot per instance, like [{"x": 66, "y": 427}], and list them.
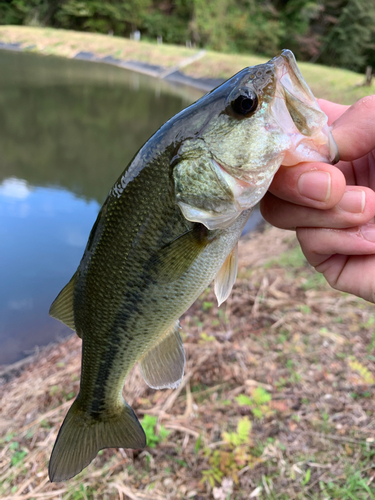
[
  {"x": 162, "y": 367},
  {"x": 62, "y": 306},
  {"x": 226, "y": 277}
]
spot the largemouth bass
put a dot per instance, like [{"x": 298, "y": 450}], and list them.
[{"x": 169, "y": 226}]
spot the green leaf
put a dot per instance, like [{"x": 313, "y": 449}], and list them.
[
  {"x": 307, "y": 477},
  {"x": 244, "y": 429},
  {"x": 198, "y": 444},
  {"x": 244, "y": 400},
  {"x": 261, "y": 396}
]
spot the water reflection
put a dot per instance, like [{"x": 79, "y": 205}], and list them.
[
  {"x": 67, "y": 130},
  {"x": 42, "y": 235}
]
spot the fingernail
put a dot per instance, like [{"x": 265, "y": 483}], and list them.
[
  {"x": 368, "y": 232},
  {"x": 315, "y": 185},
  {"x": 353, "y": 201}
]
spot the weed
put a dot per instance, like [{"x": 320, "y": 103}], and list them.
[
  {"x": 153, "y": 436},
  {"x": 307, "y": 477},
  {"x": 355, "y": 488},
  {"x": 204, "y": 338},
  {"x": 197, "y": 446},
  {"x": 281, "y": 383},
  {"x": 45, "y": 425},
  {"x": 283, "y": 336},
  {"x": 9, "y": 437},
  {"x": 365, "y": 374},
  {"x": 82, "y": 492},
  {"x": 292, "y": 259},
  {"x": 305, "y": 309},
  {"x": 178, "y": 461},
  {"x": 232, "y": 456},
  {"x": 314, "y": 281},
  {"x": 364, "y": 394},
  {"x": 18, "y": 455},
  {"x": 258, "y": 402},
  {"x": 371, "y": 345}
]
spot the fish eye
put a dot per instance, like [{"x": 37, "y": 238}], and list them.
[{"x": 245, "y": 103}]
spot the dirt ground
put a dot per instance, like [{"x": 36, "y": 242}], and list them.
[{"x": 277, "y": 401}]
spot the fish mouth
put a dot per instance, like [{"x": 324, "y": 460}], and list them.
[{"x": 299, "y": 114}]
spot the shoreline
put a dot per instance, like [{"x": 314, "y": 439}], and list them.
[
  {"x": 172, "y": 75},
  {"x": 14, "y": 370}
]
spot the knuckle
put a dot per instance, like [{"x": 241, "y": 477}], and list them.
[{"x": 367, "y": 101}]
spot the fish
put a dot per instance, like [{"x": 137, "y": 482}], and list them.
[{"x": 169, "y": 227}]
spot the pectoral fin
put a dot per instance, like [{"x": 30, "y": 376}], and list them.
[
  {"x": 178, "y": 256},
  {"x": 163, "y": 365},
  {"x": 62, "y": 306},
  {"x": 226, "y": 277}
]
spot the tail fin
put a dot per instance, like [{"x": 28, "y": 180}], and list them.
[{"x": 82, "y": 436}]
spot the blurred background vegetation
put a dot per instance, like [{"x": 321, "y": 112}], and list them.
[{"x": 332, "y": 32}]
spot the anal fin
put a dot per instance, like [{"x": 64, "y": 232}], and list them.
[
  {"x": 162, "y": 367},
  {"x": 226, "y": 277},
  {"x": 62, "y": 306}
]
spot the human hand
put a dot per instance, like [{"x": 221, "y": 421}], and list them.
[{"x": 332, "y": 207}]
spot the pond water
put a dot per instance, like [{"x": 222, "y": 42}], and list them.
[{"x": 68, "y": 128}]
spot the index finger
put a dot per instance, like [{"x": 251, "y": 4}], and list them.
[
  {"x": 354, "y": 130},
  {"x": 332, "y": 109}
]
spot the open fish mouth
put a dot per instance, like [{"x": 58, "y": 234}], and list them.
[{"x": 300, "y": 116}]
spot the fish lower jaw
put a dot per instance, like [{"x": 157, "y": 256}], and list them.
[{"x": 320, "y": 147}]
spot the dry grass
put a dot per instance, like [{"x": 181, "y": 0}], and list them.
[{"x": 286, "y": 355}]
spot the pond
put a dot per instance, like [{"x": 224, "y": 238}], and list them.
[{"x": 68, "y": 128}]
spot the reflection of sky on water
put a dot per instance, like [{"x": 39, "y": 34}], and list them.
[{"x": 43, "y": 232}]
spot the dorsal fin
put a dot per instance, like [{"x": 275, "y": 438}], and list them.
[
  {"x": 62, "y": 306},
  {"x": 226, "y": 277},
  {"x": 162, "y": 367}
]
